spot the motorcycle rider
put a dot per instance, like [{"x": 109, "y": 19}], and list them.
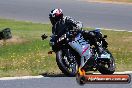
[{"x": 60, "y": 24}]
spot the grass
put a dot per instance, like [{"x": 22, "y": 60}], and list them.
[
  {"x": 120, "y": 44},
  {"x": 26, "y": 53}
]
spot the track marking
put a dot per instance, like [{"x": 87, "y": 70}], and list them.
[
  {"x": 125, "y": 72},
  {"x": 38, "y": 77},
  {"x": 23, "y": 77},
  {"x": 115, "y": 30}
]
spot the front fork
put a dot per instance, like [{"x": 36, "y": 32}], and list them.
[{"x": 83, "y": 48}]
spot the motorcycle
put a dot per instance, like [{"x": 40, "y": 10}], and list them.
[{"x": 68, "y": 60}]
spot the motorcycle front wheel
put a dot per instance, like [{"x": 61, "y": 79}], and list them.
[{"x": 67, "y": 67}]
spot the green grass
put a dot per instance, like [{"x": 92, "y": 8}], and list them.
[
  {"x": 120, "y": 44},
  {"x": 26, "y": 53}
]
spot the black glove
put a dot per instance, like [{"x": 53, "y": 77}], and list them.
[{"x": 44, "y": 36}]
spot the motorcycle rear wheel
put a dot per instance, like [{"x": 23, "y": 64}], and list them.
[{"x": 108, "y": 68}]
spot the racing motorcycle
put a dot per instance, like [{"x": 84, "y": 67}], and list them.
[{"x": 68, "y": 60}]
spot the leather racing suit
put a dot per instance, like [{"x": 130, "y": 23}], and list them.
[{"x": 69, "y": 24}]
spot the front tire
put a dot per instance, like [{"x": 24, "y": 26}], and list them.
[{"x": 61, "y": 62}]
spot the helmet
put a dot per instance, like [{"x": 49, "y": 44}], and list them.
[{"x": 55, "y": 15}]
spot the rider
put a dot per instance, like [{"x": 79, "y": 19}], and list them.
[{"x": 59, "y": 25}]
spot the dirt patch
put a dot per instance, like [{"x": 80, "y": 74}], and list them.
[{"x": 13, "y": 40}]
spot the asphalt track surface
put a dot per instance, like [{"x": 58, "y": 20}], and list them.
[
  {"x": 55, "y": 82},
  {"x": 112, "y": 16},
  {"x": 115, "y": 16}
]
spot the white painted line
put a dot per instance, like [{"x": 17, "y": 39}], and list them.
[
  {"x": 114, "y": 30},
  {"x": 38, "y": 77},
  {"x": 125, "y": 72},
  {"x": 23, "y": 77}
]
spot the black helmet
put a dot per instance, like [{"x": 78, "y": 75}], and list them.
[{"x": 55, "y": 15}]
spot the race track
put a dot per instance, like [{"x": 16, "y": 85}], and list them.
[
  {"x": 55, "y": 82},
  {"x": 112, "y": 16}
]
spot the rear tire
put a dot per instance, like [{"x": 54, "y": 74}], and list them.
[{"x": 111, "y": 66}]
